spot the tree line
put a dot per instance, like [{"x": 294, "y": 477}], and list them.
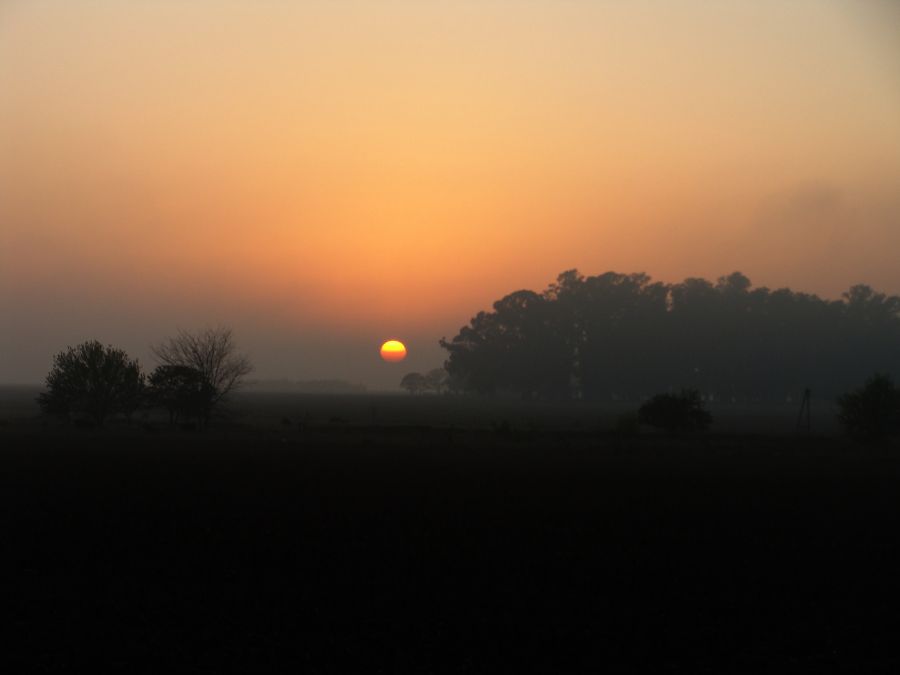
[
  {"x": 90, "y": 382},
  {"x": 627, "y": 337}
]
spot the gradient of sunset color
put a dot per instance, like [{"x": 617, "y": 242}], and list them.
[{"x": 318, "y": 175}]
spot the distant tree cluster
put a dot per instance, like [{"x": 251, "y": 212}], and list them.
[
  {"x": 434, "y": 381},
  {"x": 626, "y": 337},
  {"x": 90, "y": 382}
]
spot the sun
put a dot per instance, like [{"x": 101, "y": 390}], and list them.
[{"x": 393, "y": 351}]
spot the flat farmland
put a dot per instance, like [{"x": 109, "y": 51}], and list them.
[{"x": 352, "y": 546}]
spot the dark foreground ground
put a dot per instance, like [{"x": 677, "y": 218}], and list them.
[{"x": 404, "y": 549}]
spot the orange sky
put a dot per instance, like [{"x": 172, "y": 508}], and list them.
[{"x": 323, "y": 176}]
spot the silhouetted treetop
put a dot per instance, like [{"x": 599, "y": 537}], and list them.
[{"x": 627, "y": 336}]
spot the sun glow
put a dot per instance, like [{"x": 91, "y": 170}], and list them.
[
  {"x": 317, "y": 174},
  {"x": 393, "y": 351}
]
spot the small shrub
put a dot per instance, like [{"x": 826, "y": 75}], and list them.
[
  {"x": 873, "y": 410},
  {"x": 676, "y": 412}
]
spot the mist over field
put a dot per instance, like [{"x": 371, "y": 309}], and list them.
[{"x": 473, "y": 337}]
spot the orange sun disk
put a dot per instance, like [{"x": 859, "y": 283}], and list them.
[{"x": 393, "y": 351}]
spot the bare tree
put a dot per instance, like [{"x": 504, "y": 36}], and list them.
[{"x": 213, "y": 354}]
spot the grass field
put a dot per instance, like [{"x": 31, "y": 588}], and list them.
[{"x": 394, "y": 541}]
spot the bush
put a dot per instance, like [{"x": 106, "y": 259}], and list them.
[
  {"x": 873, "y": 410},
  {"x": 91, "y": 382},
  {"x": 676, "y": 412}
]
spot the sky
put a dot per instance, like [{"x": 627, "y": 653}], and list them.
[{"x": 324, "y": 176}]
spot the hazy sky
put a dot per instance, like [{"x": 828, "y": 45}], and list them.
[{"x": 323, "y": 176}]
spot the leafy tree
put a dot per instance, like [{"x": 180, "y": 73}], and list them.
[
  {"x": 414, "y": 383},
  {"x": 182, "y": 391},
  {"x": 93, "y": 381},
  {"x": 676, "y": 412},
  {"x": 872, "y": 411},
  {"x": 214, "y": 355}
]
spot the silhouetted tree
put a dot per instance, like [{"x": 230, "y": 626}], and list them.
[
  {"x": 872, "y": 411},
  {"x": 93, "y": 381},
  {"x": 676, "y": 412},
  {"x": 214, "y": 354},
  {"x": 182, "y": 391},
  {"x": 613, "y": 324},
  {"x": 516, "y": 348},
  {"x": 436, "y": 380},
  {"x": 414, "y": 383}
]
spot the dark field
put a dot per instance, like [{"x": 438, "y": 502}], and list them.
[{"x": 386, "y": 541}]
